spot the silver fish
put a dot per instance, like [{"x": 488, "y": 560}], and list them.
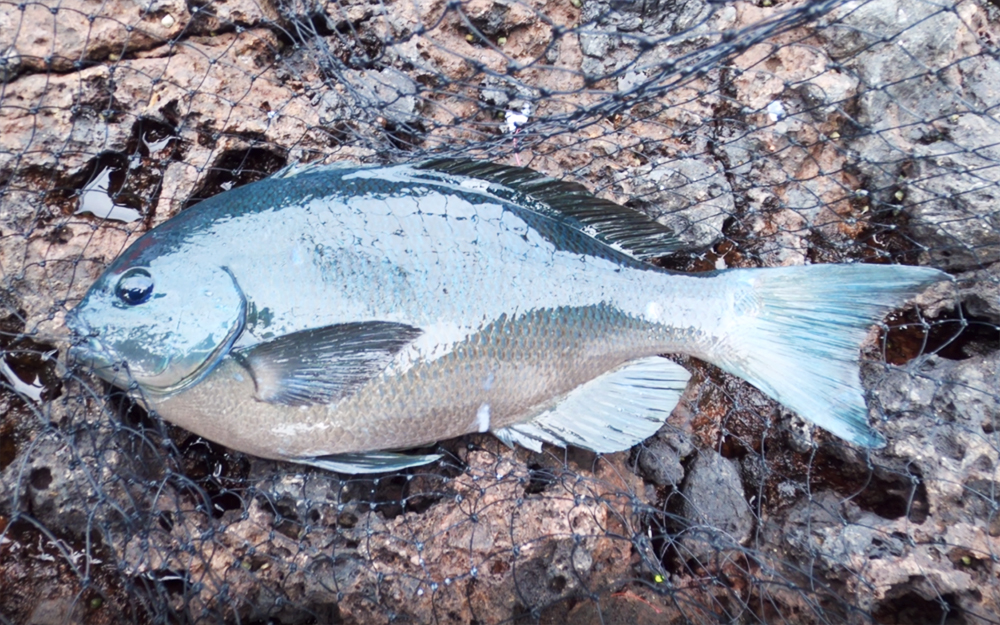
[{"x": 328, "y": 314}]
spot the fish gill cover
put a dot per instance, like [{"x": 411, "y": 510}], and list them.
[{"x": 764, "y": 133}]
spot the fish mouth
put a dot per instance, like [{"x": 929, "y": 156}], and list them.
[
  {"x": 92, "y": 355},
  {"x": 86, "y": 350}
]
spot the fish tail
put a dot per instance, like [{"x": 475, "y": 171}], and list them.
[{"x": 798, "y": 331}]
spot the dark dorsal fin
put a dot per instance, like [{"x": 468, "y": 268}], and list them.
[{"x": 613, "y": 224}]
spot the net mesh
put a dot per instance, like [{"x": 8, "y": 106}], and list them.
[{"x": 765, "y": 133}]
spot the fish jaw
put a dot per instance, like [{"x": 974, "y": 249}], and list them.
[
  {"x": 165, "y": 342},
  {"x": 88, "y": 350},
  {"x": 92, "y": 355}
]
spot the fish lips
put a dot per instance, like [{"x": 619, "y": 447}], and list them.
[{"x": 86, "y": 350}]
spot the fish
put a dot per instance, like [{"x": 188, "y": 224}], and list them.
[{"x": 339, "y": 315}]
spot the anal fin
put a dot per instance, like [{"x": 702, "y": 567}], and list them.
[
  {"x": 371, "y": 462},
  {"x": 610, "y": 413}
]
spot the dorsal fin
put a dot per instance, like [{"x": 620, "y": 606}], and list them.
[{"x": 622, "y": 228}]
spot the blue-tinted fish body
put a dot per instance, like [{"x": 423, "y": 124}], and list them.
[{"x": 331, "y": 311}]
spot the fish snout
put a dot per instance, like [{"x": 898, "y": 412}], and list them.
[
  {"x": 84, "y": 348},
  {"x": 78, "y": 328}
]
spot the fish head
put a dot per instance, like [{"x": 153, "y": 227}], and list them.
[{"x": 161, "y": 323}]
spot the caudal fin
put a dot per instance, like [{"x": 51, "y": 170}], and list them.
[{"x": 799, "y": 333}]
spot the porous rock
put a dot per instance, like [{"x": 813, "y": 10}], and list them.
[
  {"x": 62, "y": 35},
  {"x": 870, "y": 556},
  {"x": 660, "y": 458},
  {"x": 714, "y": 508},
  {"x": 952, "y": 197},
  {"x": 947, "y": 186},
  {"x": 980, "y": 292},
  {"x": 941, "y": 415},
  {"x": 488, "y": 550},
  {"x": 690, "y": 196},
  {"x": 58, "y": 486}
]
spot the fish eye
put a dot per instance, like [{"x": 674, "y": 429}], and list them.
[{"x": 134, "y": 287}]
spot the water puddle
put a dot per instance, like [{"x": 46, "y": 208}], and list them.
[
  {"x": 96, "y": 200},
  {"x": 32, "y": 391},
  {"x": 157, "y": 145}
]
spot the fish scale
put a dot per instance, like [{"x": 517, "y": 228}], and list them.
[
  {"x": 530, "y": 360},
  {"x": 327, "y": 314}
]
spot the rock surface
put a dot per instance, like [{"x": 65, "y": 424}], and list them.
[
  {"x": 691, "y": 197},
  {"x": 714, "y": 509},
  {"x": 660, "y": 458},
  {"x": 866, "y": 135},
  {"x": 948, "y": 187}
]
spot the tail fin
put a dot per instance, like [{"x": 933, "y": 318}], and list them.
[{"x": 799, "y": 330}]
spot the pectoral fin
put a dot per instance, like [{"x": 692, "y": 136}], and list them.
[
  {"x": 610, "y": 413},
  {"x": 322, "y": 365},
  {"x": 372, "y": 462}
]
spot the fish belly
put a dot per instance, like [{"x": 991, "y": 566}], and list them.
[{"x": 504, "y": 374}]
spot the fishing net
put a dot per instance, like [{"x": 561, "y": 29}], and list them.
[{"x": 764, "y": 133}]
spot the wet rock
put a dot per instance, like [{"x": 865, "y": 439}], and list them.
[
  {"x": 951, "y": 196},
  {"x": 797, "y": 431},
  {"x": 714, "y": 508},
  {"x": 75, "y": 116},
  {"x": 604, "y": 47},
  {"x": 946, "y": 182},
  {"x": 828, "y": 526},
  {"x": 505, "y": 94},
  {"x": 489, "y": 16},
  {"x": 942, "y": 420},
  {"x": 10, "y": 64},
  {"x": 489, "y": 550},
  {"x": 388, "y": 90},
  {"x": 631, "y": 80},
  {"x": 302, "y": 498},
  {"x": 210, "y": 19},
  {"x": 652, "y": 16},
  {"x": 635, "y": 606},
  {"x": 941, "y": 415},
  {"x": 62, "y": 34},
  {"x": 56, "y": 608},
  {"x": 493, "y": 94},
  {"x": 80, "y": 114},
  {"x": 559, "y": 568},
  {"x": 494, "y": 18},
  {"x": 57, "y": 487},
  {"x": 595, "y": 45},
  {"x": 769, "y": 75},
  {"x": 980, "y": 292},
  {"x": 660, "y": 458},
  {"x": 877, "y": 560},
  {"x": 690, "y": 196}
]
